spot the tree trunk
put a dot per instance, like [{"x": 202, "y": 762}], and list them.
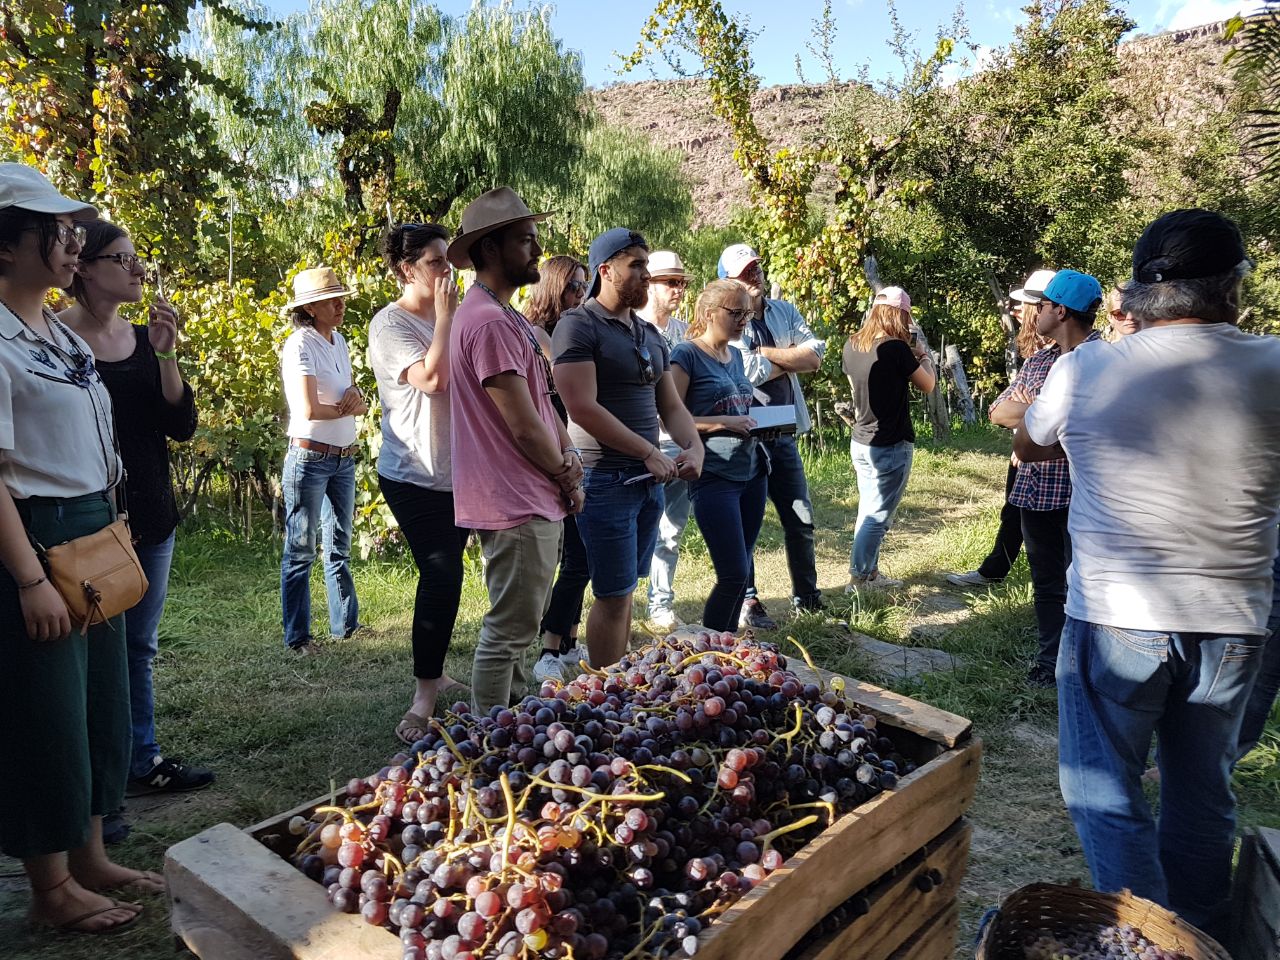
[{"x": 955, "y": 367}]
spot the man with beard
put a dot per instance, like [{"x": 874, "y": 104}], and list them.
[
  {"x": 776, "y": 346},
  {"x": 612, "y": 371},
  {"x": 515, "y": 472}
]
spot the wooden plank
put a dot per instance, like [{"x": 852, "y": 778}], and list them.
[
  {"x": 897, "y": 710},
  {"x": 897, "y": 904},
  {"x": 936, "y": 940},
  {"x": 847, "y": 857},
  {"x": 233, "y": 897}
]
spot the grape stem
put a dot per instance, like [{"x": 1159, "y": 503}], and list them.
[
  {"x": 800, "y": 824},
  {"x": 505, "y": 781},
  {"x": 809, "y": 660},
  {"x": 659, "y": 767}
]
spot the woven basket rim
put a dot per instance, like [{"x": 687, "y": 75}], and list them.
[{"x": 1041, "y": 906}]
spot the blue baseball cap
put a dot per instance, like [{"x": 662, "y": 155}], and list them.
[
  {"x": 607, "y": 246},
  {"x": 1074, "y": 290}
]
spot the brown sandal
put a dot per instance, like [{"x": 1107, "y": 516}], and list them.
[
  {"x": 139, "y": 886},
  {"x": 411, "y": 721},
  {"x": 73, "y": 925}
]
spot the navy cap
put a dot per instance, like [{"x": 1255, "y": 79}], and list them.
[
  {"x": 1074, "y": 290},
  {"x": 1187, "y": 245},
  {"x": 607, "y": 246}
]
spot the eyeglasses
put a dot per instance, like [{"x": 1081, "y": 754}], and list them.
[
  {"x": 1119, "y": 315},
  {"x": 675, "y": 282},
  {"x": 643, "y": 356},
  {"x": 578, "y": 286},
  {"x": 77, "y": 232},
  {"x": 736, "y": 315},
  {"x": 130, "y": 261}
]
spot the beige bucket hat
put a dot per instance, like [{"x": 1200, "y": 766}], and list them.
[
  {"x": 666, "y": 263},
  {"x": 485, "y": 214},
  {"x": 318, "y": 283}
]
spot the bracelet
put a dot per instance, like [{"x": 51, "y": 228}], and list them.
[
  {"x": 32, "y": 583},
  {"x": 171, "y": 355}
]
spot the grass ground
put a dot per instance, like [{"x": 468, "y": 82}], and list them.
[{"x": 279, "y": 729}]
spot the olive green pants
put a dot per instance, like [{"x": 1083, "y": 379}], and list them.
[{"x": 64, "y": 707}]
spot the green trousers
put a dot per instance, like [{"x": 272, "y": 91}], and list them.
[{"x": 64, "y": 707}]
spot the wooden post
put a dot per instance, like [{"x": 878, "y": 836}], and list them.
[{"x": 955, "y": 366}]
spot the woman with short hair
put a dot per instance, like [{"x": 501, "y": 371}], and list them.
[
  {"x": 882, "y": 360},
  {"x": 729, "y": 496},
  {"x": 153, "y": 405},
  {"x": 561, "y": 286},
  {"x": 64, "y": 689},
  {"x": 409, "y": 355},
  {"x": 319, "y": 479}
]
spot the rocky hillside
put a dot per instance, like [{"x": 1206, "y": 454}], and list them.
[{"x": 1178, "y": 76}]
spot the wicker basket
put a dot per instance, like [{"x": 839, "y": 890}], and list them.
[{"x": 1069, "y": 910}]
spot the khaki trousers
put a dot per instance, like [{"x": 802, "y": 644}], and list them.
[{"x": 520, "y": 564}]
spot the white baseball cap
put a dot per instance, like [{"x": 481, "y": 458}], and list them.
[
  {"x": 1032, "y": 289},
  {"x": 666, "y": 263},
  {"x": 734, "y": 260},
  {"x": 28, "y": 189}
]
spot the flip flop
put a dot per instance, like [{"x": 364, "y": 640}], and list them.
[
  {"x": 411, "y": 721},
  {"x": 73, "y": 925},
  {"x": 138, "y": 886}
]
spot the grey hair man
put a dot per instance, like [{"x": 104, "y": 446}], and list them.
[{"x": 1173, "y": 436}]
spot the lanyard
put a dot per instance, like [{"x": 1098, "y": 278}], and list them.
[{"x": 527, "y": 328}]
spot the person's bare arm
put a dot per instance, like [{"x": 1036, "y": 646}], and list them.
[
  {"x": 312, "y": 408},
  {"x": 43, "y": 611},
  {"x": 431, "y": 373},
  {"x": 739, "y": 425},
  {"x": 800, "y": 359},
  {"x": 510, "y": 394},
  {"x": 1028, "y": 451},
  {"x": 576, "y": 383}
]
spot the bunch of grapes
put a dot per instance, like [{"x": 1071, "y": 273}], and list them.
[
  {"x": 1107, "y": 943},
  {"x": 613, "y": 816}
]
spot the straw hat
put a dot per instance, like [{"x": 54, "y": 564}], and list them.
[
  {"x": 666, "y": 263},
  {"x": 485, "y": 214},
  {"x": 318, "y": 283}
]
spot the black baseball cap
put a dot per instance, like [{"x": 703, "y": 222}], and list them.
[{"x": 1186, "y": 245}]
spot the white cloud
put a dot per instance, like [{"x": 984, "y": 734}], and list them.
[{"x": 1181, "y": 14}]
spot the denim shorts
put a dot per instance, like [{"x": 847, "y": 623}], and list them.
[{"x": 619, "y": 527}]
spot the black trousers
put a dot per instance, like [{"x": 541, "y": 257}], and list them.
[
  {"x": 1049, "y": 554},
  {"x": 1008, "y": 538},
  {"x": 565, "y": 610},
  {"x": 426, "y": 520}
]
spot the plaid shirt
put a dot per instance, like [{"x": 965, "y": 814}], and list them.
[{"x": 1040, "y": 486}]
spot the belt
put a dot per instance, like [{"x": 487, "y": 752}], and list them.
[{"x": 328, "y": 449}]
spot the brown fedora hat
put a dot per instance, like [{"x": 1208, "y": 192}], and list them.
[{"x": 485, "y": 214}]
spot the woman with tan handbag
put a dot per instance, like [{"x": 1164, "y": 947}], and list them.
[{"x": 64, "y": 689}]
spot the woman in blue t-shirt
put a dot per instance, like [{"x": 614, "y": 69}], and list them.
[
  {"x": 882, "y": 360},
  {"x": 728, "y": 499}
]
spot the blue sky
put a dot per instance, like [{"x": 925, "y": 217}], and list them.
[{"x": 598, "y": 28}]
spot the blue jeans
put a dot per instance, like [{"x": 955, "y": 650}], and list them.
[
  {"x": 1115, "y": 689},
  {"x": 675, "y": 515},
  {"x": 319, "y": 498},
  {"x": 142, "y": 641},
  {"x": 1268, "y": 682},
  {"x": 789, "y": 492},
  {"x": 882, "y": 480},
  {"x": 729, "y": 514},
  {"x": 619, "y": 526}
]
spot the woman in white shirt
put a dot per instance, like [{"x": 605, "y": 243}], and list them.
[
  {"x": 319, "y": 479},
  {"x": 409, "y": 354},
  {"x": 64, "y": 691}
]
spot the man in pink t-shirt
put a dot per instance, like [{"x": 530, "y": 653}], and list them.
[{"x": 515, "y": 472}]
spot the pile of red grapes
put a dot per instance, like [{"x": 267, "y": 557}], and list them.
[
  {"x": 1109, "y": 943},
  {"x": 611, "y": 817}
]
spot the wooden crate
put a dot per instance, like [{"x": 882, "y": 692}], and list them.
[
  {"x": 230, "y": 886},
  {"x": 1256, "y": 924}
]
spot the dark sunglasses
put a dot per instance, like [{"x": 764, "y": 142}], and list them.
[
  {"x": 643, "y": 357},
  {"x": 578, "y": 286},
  {"x": 671, "y": 282}
]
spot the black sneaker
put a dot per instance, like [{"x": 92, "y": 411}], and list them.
[
  {"x": 754, "y": 615},
  {"x": 1041, "y": 677},
  {"x": 169, "y": 776}
]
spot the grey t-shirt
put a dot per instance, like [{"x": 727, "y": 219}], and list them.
[
  {"x": 587, "y": 334},
  {"x": 415, "y": 425}
]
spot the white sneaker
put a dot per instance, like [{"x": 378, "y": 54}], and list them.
[
  {"x": 971, "y": 579},
  {"x": 571, "y": 662},
  {"x": 548, "y": 668},
  {"x": 665, "y": 619},
  {"x": 878, "y": 582}
]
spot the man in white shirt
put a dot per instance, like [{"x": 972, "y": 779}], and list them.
[
  {"x": 1173, "y": 437},
  {"x": 668, "y": 282}
]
